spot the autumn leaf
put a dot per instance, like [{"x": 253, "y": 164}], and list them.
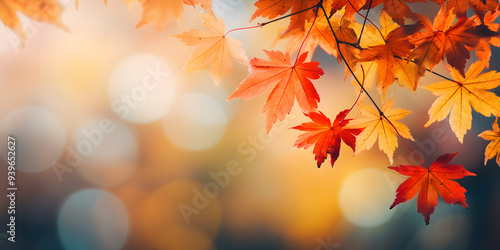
[
  {"x": 458, "y": 96},
  {"x": 292, "y": 82},
  {"x": 438, "y": 179},
  {"x": 321, "y": 35},
  {"x": 443, "y": 39},
  {"x": 493, "y": 147},
  {"x": 159, "y": 12},
  {"x": 398, "y": 10},
  {"x": 483, "y": 49},
  {"x": 214, "y": 47},
  {"x": 376, "y": 127},
  {"x": 350, "y": 6},
  {"x": 366, "y": 71},
  {"x": 41, "y": 11},
  {"x": 388, "y": 52},
  {"x": 480, "y": 7},
  {"x": 460, "y": 7},
  {"x": 273, "y": 8},
  {"x": 326, "y": 136}
]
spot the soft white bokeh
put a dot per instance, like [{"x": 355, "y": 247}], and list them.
[{"x": 142, "y": 88}]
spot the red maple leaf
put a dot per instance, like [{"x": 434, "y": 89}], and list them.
[
  {"x": 430, "y": 182},
  {"x": 326, "y": 136}
]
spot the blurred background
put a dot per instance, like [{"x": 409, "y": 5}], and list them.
[{"x": 118, "y": 148}]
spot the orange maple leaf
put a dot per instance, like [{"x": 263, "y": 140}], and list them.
[
  {"x": 480, "y": 7},
  {"x": 326, "y": 136},
  {"x": 43, "y": 11},
  {"x": 292, "y": 82},
  {"x": 388, "y": 52},
  {"x": 483, "y": 49},
  {"x": 214, "y": 48},
  {"x": 460, "y": 7},
  {"x": 493, "y": 147},
  {"x": 376, "y": 127},
  {"x": 161, "y": 11},
  {"x": 431, "y": 182},
  {"x": 459, "y": 96},
  {"x": 445, "y": 39}
]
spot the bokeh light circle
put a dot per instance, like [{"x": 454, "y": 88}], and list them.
[
  {"x": 40, "y": 138},
  {"x": 93, "y": 219},
  {"x": 198, "y": 123},
  {"x": 365, "y": 197},
  {"x": 142, "y": 88},
  {"x": 106, "y": 151}
]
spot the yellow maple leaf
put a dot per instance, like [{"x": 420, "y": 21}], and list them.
[
  {"x": 376, "y": 127},
  {"x": 41, "y": 11},
  {"x": 161, "y": 11},
  {"x": 214, "y": 47},
  {"x": 493, "y": 147},
  {"x": 458, "y": 97}
]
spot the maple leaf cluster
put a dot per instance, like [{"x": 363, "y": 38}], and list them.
[{"x": 403, "y": 48}]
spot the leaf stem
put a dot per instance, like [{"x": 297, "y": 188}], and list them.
[
  {"x": 428, "y": 70},
  {"x": 355, "y": 102},
  {"x": 447, "y": 78},
  {"x": 306, "y": 37},
  {"x": 347, "y": 65},
  {"x": 244, "y": 28},
  {"x": 404, "y": 141}
]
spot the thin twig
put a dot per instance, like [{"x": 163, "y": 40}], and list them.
[
  {"x": 349, "y": 67},
  {"x": 367, "y": 94}
]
